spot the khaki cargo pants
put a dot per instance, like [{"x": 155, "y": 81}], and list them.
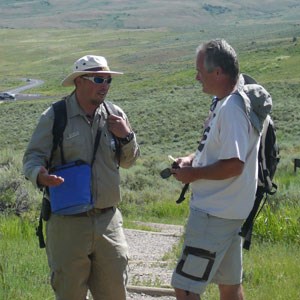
[{"x": 88, "y": 252}]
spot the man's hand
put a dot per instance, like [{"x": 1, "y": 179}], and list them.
[
  {"x": 118, "y": 126},
  {"x": 46, "y": 179},
  {"x": 185, "y": 161},
  {"x": 184, "y": 174}
]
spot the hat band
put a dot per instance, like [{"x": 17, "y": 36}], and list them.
[{"x": 98, "y": 69}]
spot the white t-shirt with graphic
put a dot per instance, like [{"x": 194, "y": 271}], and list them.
[{"x": 229, "y": 134}]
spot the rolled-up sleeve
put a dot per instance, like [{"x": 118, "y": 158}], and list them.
[{"x": 129, "y": 153}]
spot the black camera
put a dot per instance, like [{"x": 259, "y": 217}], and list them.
[{"x": 166, "y": 173}]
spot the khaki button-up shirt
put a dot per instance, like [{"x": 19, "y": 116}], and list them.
[{"x": 78, "y": 143}]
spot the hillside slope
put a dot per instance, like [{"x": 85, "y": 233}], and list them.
[{"x": 132, "y": 14}]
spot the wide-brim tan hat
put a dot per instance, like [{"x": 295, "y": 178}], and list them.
[{"x": 89, "y": 64}]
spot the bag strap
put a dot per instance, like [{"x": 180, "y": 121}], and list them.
[
  {"x": 182, "y": 194},
  {"x": 39, "y": 232},
  {"x": 97, "y": 141},
  {"x": 59, "y": 125},
  {"x": 108, "y": 109},
  {"x": 246, "y": 230}
]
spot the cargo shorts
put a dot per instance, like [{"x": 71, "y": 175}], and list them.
[
  {"x": 212, "y": 252},
  {"x": 88, "y": 252}
]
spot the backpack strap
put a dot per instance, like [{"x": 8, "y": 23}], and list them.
[
  {"x": 182, "y": 194},
  {"x": 59, "y": 125},
  {"x": 39, "y": 232},
  {"x": 110, "y": 109},
  {"x": 246, "y": 230},
  {"x": 269, "y": 186},
  {"x": 97, "y": 141}
]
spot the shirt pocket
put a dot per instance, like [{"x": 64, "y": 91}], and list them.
[{"x": 76, "y": 145}]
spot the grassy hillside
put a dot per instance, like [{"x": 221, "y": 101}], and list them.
[
  {"x": 132, "y": 14},
  {"x": 158, "y": 86},
  {"x": 158, "y": 91}
]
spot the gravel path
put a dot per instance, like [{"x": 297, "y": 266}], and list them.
[{"x": 147, "y": 265}]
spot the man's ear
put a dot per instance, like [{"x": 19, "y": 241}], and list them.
[{"x": 77, "y": 81}]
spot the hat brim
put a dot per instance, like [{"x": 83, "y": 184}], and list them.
[{"x": 69, "y": 80}]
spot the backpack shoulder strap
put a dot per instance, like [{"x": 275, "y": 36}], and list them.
[
  {"x": 110, "y": 109},
  {"x": 59, "y": 125},
  {"x": 268, "y": 157}
]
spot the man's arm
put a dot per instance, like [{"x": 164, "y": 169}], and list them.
[
  {"x": 120, "y": 127},
  {"x": 38, "y": 152},
  {"x": 222, "y": 169}
]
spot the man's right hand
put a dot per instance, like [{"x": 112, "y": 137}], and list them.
[
  {"x": 185, "y": 161},
  {"x": 46, "y": 179}
]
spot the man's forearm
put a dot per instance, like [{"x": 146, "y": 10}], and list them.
[{"x": 222, "y": 169}]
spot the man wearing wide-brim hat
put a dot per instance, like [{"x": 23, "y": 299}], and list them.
[
  {"x": 89, "y": 64},
  {"x": 86, "y": 246}
]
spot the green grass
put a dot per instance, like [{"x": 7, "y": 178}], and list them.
[
  {"x": 22, "y": 264},
  {"x": 266, "y": 267}
]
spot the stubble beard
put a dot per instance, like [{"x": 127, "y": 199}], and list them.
[{"x": 97, "y": 101}]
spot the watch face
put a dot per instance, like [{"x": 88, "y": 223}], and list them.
[{"x": 130, "y": 136}]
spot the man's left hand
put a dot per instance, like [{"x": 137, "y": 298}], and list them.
[{"x": 118, "y": 126}]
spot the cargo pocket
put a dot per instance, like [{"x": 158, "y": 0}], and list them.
[{"x": 196, "y": 263}]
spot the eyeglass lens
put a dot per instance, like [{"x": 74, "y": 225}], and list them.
[
  {"x": 99, "y": 80},
  {"x": 102, "y": 80}
]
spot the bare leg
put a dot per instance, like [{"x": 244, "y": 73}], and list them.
[
  {"x": 185, "y": 295},
  {"x": 231, "y": 292}
]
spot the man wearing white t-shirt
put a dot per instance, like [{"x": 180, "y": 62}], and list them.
[{"x": 223, "y": 176}]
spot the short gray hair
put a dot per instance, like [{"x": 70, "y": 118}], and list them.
[{"x": 218, "y": 53}]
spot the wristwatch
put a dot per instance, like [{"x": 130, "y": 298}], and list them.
[{"x": 129, "y": 137}]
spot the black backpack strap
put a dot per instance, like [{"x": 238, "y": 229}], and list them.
[
  {"x": 59, "y": 125},
  {"x": 182, "y": 194},
  {"x": 39, "y": 232},
  {"x": 248, "y": 237},
  {"x": 246, "y": 230},
  {"x": 97, "y": 141},
  {"x": 116, "y": 140}
]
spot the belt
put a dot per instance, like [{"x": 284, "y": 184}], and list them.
[{"x": 93, "y": 212}]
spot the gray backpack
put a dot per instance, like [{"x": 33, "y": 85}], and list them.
[{"x": 258, "y": 105}]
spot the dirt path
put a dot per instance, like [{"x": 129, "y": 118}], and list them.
[{"x": 150, "y": 268}]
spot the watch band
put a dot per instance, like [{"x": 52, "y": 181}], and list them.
[{"x": 129, "y": 137}]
